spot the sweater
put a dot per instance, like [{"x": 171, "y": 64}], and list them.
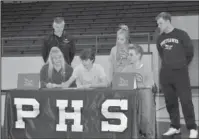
[{"x": 175, "y": 49}]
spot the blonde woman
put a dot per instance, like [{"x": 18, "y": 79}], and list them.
[
  {"x": 56, "y": 71},
  {"x": 119, "y": 53}
]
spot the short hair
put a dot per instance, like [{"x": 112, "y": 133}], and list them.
[
  {"x": 164, "y": 15},
  {"x": 87, "y": 54},
  {"x": 137, "y": 48},
  {"x": 58, "y": 20}
]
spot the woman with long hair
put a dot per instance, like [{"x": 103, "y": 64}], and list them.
[
  {"x": 56, "y": 71},
  {"x": 119, "y": 53}
]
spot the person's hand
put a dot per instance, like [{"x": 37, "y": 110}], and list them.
[
  {"x": 56, "y": 85},
  {"x": 52, "y": 85},
  {"x": 84, "y": 86},
  {"x": 49, "y": 85},
  {"x": 87, "y": 86},
  {"x": 93, "y": 85},
  {"x": 65, "y": 85}
]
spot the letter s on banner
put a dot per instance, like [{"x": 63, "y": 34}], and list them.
[
  {"x": 76, "y": 115},
  {"x": 19, "y": 102},
  {"x": 114, "y": 115}
]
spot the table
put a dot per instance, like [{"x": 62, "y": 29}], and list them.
[{"x": 99, "y": 113}]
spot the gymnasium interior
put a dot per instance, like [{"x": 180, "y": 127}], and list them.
[{"x": 94, "y": 25}]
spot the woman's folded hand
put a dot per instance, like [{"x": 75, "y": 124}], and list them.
[
  {"x": 49, "y": 85},
  {"x": 52, "y": 85},
  {"x": 65, "y": 85}
]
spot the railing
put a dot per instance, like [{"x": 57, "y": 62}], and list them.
[{"x": 144, "y": 39}]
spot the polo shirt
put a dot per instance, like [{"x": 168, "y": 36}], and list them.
[
  {"x": 84, "y": 76},
  {"x": 57, "y": 76}
]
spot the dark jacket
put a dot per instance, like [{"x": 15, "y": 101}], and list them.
[
  {"x": 65, "y": 43},
  {"x": 57, "y": 77},
  {"x": 175, "y": 49}
]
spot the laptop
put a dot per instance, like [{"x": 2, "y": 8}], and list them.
[
  {"x": 28, "y": 81},
  {"x": 124, "y": 81}
]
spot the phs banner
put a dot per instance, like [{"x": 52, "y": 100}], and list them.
[{"x": 70, "y": 114}]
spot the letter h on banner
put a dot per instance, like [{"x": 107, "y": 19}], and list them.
[{"x": 76, "y": 115}]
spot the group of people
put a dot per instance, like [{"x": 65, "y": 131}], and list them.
[
  {"x": 59, "y": 51},
  {"x": 175, "y": 50}
]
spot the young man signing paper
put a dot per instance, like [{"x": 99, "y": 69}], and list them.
[{"x": 88, "y": 74}]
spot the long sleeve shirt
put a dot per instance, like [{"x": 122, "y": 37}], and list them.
[
  {"x": 175, "y": 49},
  {"x": 85, "y": 77},
  {"x": 65, "y": 43}
]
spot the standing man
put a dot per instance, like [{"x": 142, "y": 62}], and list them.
[
  {"x": 60, "y": 39},
  {"x": 176, "y": 52}
]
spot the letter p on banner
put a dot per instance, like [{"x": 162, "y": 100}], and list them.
[{"x": 19, "y": 102}]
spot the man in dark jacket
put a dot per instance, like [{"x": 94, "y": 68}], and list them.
[
  {"x": 176, "y": 52},
  {"x": 60, "y": 39}
]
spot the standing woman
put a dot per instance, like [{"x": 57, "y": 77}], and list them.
[
  {"x": 56, "y": 71},
  {"x": 119, "y": 54}
]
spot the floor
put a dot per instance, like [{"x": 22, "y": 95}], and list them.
[{"x": 163, "y": 117}]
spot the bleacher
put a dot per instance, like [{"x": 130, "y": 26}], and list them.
[{"x": 90, "y": 22}]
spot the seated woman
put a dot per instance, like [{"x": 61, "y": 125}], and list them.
[
  {"x": 88, "y": 74},
  {"x": 55, "y": 71},
  {"x": 145, "y": 81}
]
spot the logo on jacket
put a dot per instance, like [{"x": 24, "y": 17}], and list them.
[
  {"x": 66, "y": 41},
  {"x": 168, "y": 47},
  {"x": 164, "y": 44}
]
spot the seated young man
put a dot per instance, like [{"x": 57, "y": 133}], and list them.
[
  {"x": 88, "y": 74},
  {"x": 144, "y": 80},
  {"x": 144, "y": 76},
  {"x": 56, "y": 71}
]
